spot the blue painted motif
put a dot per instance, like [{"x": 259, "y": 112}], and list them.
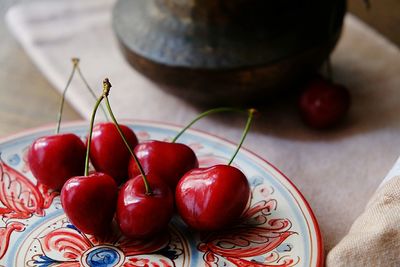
[
  {"x": 73, "y": 227},
  {"x": 45, "y": 261},
  {"x": 103, "y": 257},
  {"x": 169, "y": 253},
  {"x": 285, "y": 247},
  {"x": 14, "y": 159},
  {"x": 256, "y": 181}
]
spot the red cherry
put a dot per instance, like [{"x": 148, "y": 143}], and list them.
[
  {"x": 323, "y": 104},
  {"x": 169, "y": 161},
  {"x": 90, "y": 201},
  {"x": 108, "y": 152},
  {"x": 56, "y": 158},
  {"x": 210, "y": 199},
  {"x": 140, "y": 215}
]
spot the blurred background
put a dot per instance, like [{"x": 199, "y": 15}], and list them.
[{"x": 17, "y": 72}]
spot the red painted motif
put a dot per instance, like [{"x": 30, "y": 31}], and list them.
[
  {"x": 256, "y": 235},
  {"x": 66, "y": 246},
  {"x": 147, "y": 262},
  {"x": 143, "y": 135},
  {"x": 259, "y": 240},
  {"x": 20, "y": 199},
  {"x": 5, "y": 234},
  {"x": 20, "y": 196}
]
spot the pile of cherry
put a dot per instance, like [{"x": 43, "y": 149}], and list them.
[
  {"x": 138, "y": 185},
  {"x": 141, "y": 185}
]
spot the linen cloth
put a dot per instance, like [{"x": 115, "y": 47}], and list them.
[
  {"x": 337, "y": 170},
  {"x": 374, "y": 238}
]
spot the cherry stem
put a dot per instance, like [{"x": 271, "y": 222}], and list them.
[
  {"x": 78, "y": 69},
  {"x": 75, "y": 67},
  {"x": 96, "y": 106},
  {"x": 75, "y": 63},
  {"x": 245, "y": 131},
  {"x": 107, "y": 86},
  {"x": 204, "y": 114}
]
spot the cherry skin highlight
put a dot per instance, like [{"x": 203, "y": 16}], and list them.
[
  {"x": 323, "y": 104},
  {"x": 90, "y": 202},
  {"x": 140, "y": 215},
  {"x": 56, "y": 158},
  {"x": 108, "y": 152},
  {"x": 169, "y": 161},
  {"x": 210, "y": 199}
]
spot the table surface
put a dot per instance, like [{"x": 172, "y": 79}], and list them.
[{"x": 27, "y": 99}]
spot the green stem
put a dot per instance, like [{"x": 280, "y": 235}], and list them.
[
  {"x": 245, "y": 131},
  {"x": 78, "y": 69},
  {"x": 60, "y": 112},
  {"x": 107, "y": 84},
  {"x": 204, "y": 114},
  {"x": 96, "y": 106}
]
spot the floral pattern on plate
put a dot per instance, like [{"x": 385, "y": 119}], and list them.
[{"x": 277, "y": 228}]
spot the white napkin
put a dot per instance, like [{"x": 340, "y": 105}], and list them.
[{"x": 337, "y": 170}]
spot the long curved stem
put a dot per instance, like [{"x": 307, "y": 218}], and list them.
[
  {"x": 96, "y": 106},
  {"x": 75, "y": 63},
  {"x": 245, "y": 131},
  {"x": 204, "y": 114},
  {"x": 106, "y": 84},
  {"x": 78, "y": 69}
]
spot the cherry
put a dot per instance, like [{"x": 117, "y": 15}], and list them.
[
  {"x": 56, "y": 158},
  {"x": 141, "y": 215},
  {"x": 144, "y": 206},
  {"x": 169, "y": 161},
  {"x": 212, "y": 198},
  {"x": 109, "y": 153},
  {"x": 89, "y": 202},
  {"x": 323, "y": 104},
  {"x": 209, "y": 199}
]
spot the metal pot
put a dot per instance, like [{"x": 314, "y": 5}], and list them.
[{"x": 227, "y": 51}]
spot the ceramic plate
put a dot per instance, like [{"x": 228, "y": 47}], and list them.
[{"x": 277, "y": 229}]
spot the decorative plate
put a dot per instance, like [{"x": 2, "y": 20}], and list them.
[{"x": 277, "y": 229}]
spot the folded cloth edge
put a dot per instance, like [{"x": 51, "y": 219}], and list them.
[{"x": 374, "y": 237}]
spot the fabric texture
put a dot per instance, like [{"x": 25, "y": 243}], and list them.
[
  {"x": 374, "y": 238},
  {"x": 337, "y": 170}
]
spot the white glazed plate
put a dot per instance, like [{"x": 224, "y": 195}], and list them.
[{"x": 278, "y": 228}]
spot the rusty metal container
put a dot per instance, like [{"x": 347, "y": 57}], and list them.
[{"x": 227, "y": 51}]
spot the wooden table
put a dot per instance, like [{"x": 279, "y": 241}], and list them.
[{"x": 28, "y": 100}]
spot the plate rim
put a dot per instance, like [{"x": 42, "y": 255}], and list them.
[{"x": 76, "y": 123}]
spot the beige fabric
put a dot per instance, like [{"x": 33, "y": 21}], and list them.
[{"x": 374, "y": 238}]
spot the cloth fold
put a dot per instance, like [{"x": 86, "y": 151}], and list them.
[
  {"x": 374, "y": 238},
  {"x": 337, "y": 170}
]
